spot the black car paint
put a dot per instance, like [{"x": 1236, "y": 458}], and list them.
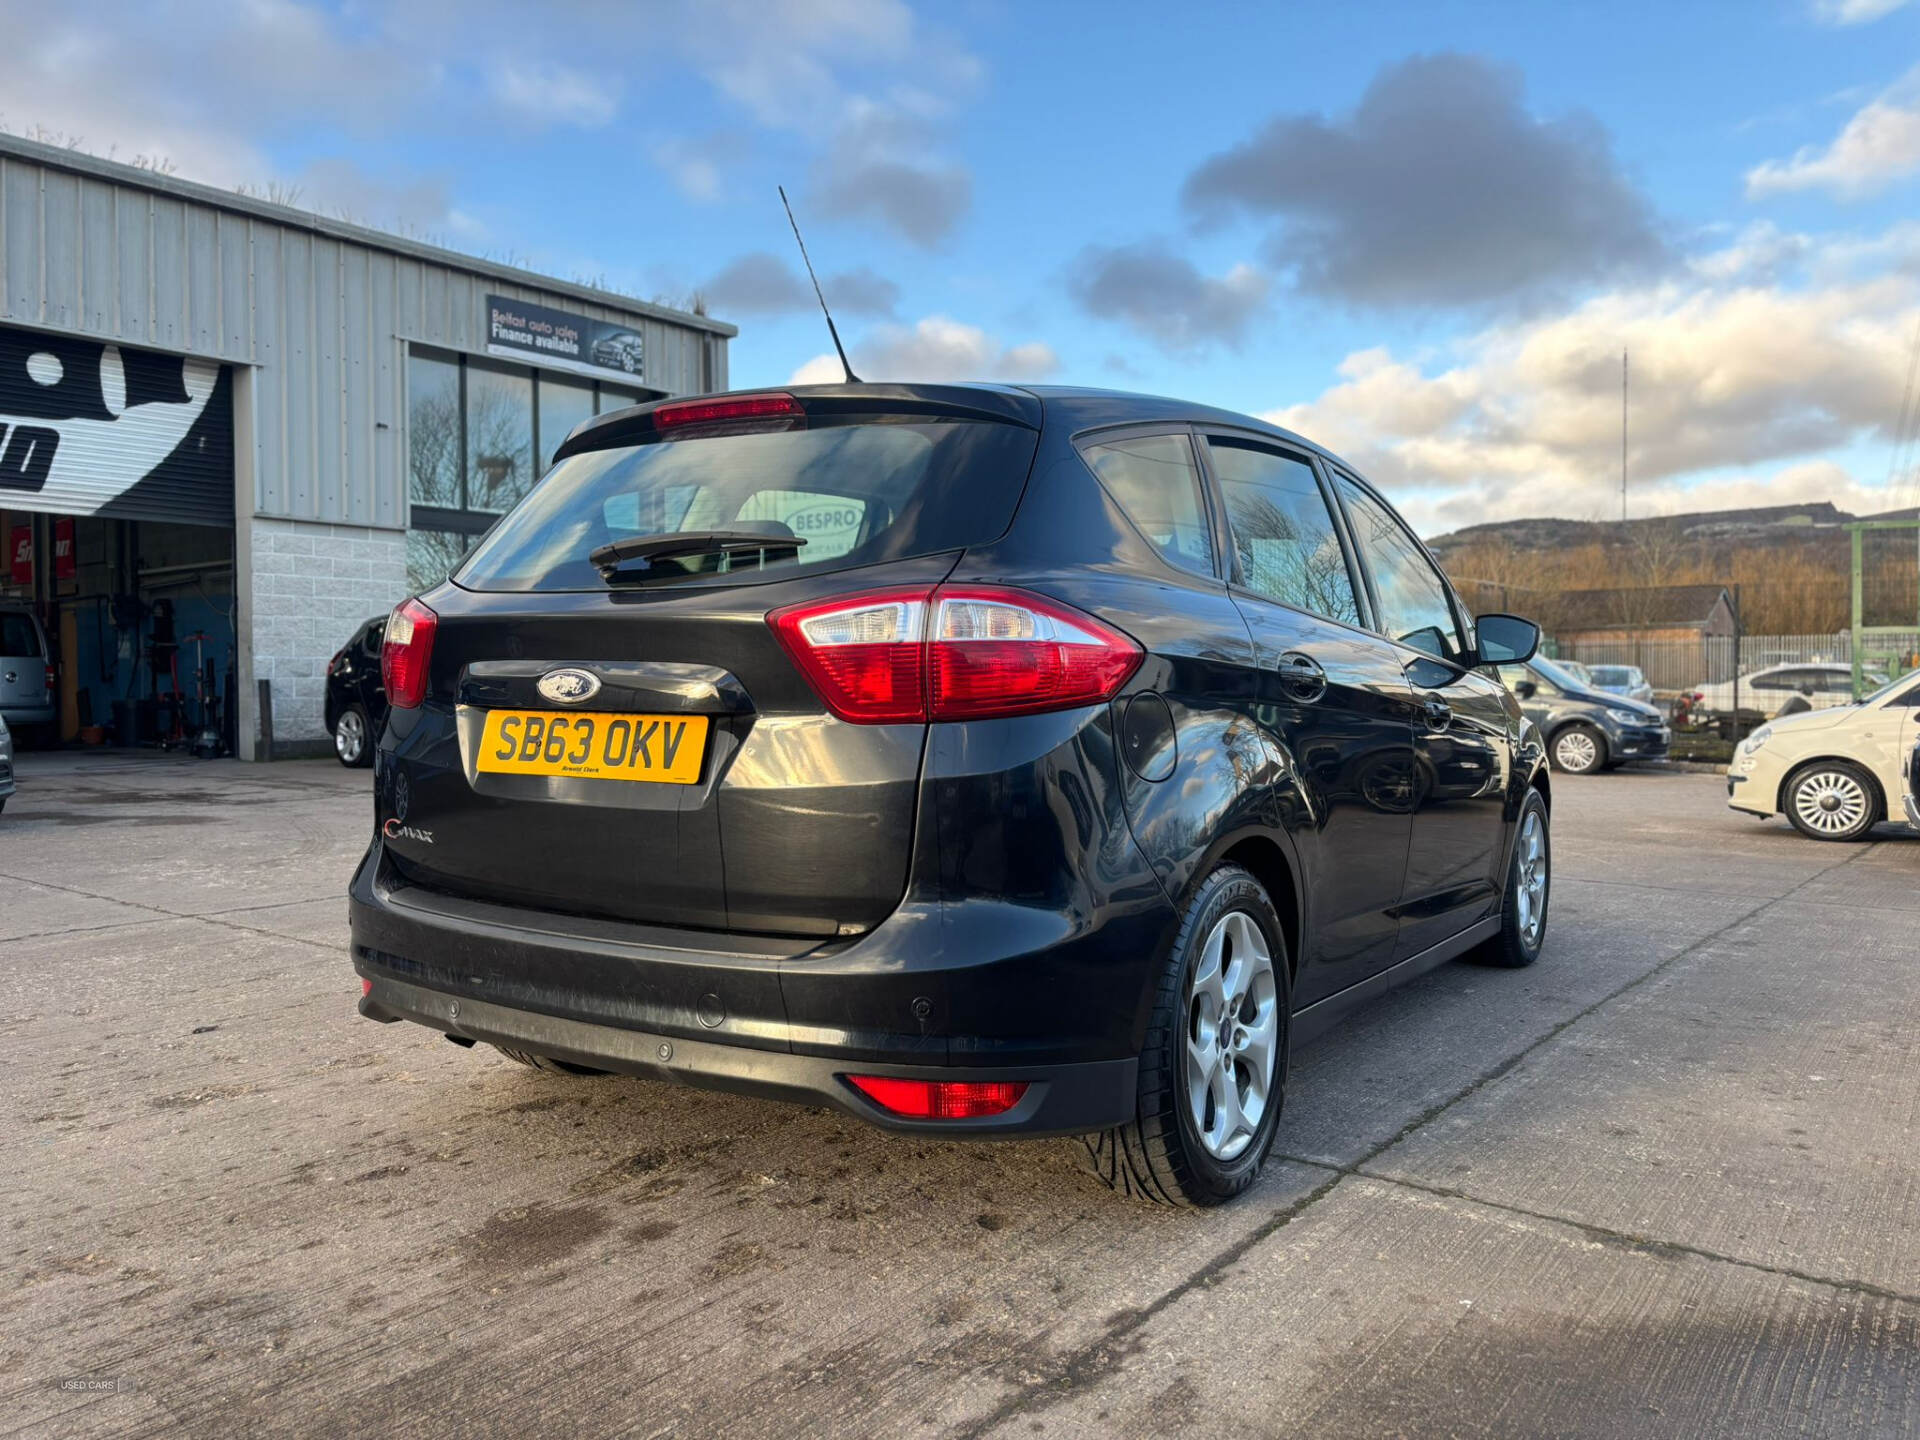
[
  {"x": 988, "y": 898},
  {"x": 354, "y": 677}
]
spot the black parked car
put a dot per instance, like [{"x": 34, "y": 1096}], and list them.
[
  {"x": 976, "y": 760},
  {"x": 356, "y": 701}
]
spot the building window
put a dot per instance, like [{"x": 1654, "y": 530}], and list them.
[
  {"x": 433, "y": 431},
  {"x": 563, "y": 405},
  {"x": 479, "y": 433}
]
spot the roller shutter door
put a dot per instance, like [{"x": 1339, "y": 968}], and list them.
[{"x": 93, "y": 429}]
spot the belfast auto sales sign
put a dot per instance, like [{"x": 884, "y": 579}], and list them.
[{"x": 556, "y": 340}]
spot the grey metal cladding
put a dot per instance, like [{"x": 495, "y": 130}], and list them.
[{"x": 319, "y": 311}]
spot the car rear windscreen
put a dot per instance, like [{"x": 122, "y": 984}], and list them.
[{"x": 855, "y": 490}]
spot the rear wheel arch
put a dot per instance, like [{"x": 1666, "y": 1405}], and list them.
[{"x": 1268, "y": 862}]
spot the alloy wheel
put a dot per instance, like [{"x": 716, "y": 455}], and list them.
[
  {"x": 1530, "y": 894},
  {"x": 1233, "y": 1031},
  {"x": 1576, "y": 751},
  {"x": 350, "y": 736},
  {"x": 1831, "y": 802}
]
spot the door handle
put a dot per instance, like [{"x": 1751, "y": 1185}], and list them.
[
  {"x": 1439, "y": 714},
  {"x": 1302, "y": 676}
]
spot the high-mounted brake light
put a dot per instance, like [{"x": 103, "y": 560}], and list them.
[
  {"x": 405, "y": 652},
  {"x": 955, "y": 653},
  {"x": 745, "y": 411},
  {"x": 940, "y": 1099}
]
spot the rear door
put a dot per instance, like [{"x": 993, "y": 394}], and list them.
[
  {"x": 1463, "y": 738},
  {"x": 1334, "y": 696},
  {"x": 23, "y": 662},
  {"x": 642, "y": 747}
]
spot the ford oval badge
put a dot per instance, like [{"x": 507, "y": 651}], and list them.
[{"x": 569, "y": 687}]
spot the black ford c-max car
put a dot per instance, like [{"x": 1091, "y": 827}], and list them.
[{"x": 978, "y": 760}]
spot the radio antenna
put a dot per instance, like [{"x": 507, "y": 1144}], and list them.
[{"x": 839, "y": 349}]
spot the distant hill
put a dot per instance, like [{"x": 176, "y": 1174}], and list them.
[
  {"x": 1788, "y": 566},
  {"x": 1814, "y": 525}
]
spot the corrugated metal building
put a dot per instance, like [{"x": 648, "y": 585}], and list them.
[{"x": 274, "y": 423}]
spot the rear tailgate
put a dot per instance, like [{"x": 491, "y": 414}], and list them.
[{"x": 774, "y": 816}]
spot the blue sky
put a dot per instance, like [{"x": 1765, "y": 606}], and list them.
[{"x": 1421, "y": 233}]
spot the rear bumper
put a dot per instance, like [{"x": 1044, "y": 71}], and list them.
[
  {"x": 977, "y": 990},
  {"x": 1060, "y": 1099},
  {"x": 43, "y": 713}
]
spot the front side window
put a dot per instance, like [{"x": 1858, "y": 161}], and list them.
[
  {"x": 1414, "y": 608},
  {"x": 1512, "y": 675},
  {"x": 1154, "y": 479},
  {"x": 1283, "y": 532}
]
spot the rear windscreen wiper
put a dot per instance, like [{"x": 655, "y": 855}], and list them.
[{"x": 609, "y": 559}]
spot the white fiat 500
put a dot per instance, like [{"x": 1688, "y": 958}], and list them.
[{"x": 1834, "y": 773}]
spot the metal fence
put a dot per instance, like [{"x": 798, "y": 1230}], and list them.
[{"x": 1675, "y": 666}]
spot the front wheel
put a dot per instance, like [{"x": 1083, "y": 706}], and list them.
[
  {"x": 1214, "y": 1072},
  {"x": 1579, "y": 750},
  {"x": 1833, "y": 800}
]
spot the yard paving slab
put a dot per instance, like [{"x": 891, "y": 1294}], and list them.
[{"x": 1600, "y": 1196}]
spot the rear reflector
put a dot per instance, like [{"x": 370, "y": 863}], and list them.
[
  {"x": 940, "y": 1099},
  {"x": 366, "y": 986},
  {"x": 733, "y": 412},
  {"x": 405, "y": 653},
  {"x": 959, "y": 653}
]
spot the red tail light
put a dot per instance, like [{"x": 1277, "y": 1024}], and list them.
[
  {"x": 963, "y": 652},
  {"x": 405, "y": 652},
  {"x": 940, "y": 1099}
]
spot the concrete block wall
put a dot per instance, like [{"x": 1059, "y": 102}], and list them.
[{"x": 313, "y": 585}]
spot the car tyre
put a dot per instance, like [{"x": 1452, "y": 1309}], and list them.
[
  {"x": 546, "y": 1062},
  {"x": 1523, "y": 909},
  {"x": 1833, "y": 800},
  {"x": 1204, "y": 1052},
  {"x": 353, "y": 737},
  {"x": 1580, "y": 749}
]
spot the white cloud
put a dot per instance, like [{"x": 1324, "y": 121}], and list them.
[
  {"x": 1853, "y": 12},
  {"x": 1878, "y": 146},
  {"x": 545, "y": 92},
  {"x": 1728, "y": 375},
  {"x": 936, "y": 348}
]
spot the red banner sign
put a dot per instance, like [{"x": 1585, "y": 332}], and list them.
[
  {"x": 22, "y": 558},
  {"x": 64, "y": 561}
]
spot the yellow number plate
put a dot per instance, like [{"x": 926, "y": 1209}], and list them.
[{"x": 595, "y": 746}]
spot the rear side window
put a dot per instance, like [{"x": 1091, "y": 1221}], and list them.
[
  {"x": 1282, "y": 529},
  {"x": 1154, "y": 479},
  {"x": 855, "y": 491},
  {"x": 17, "y": 636},
  {"x": 1414, "y": 608}
]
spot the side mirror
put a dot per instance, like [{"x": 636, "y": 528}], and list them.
[
  {"x": 1506, "y": 639},
  {"x": 1525, "y": 689}
]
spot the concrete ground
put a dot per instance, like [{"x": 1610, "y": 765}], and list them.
[{"x": 1666, "y": 1182}]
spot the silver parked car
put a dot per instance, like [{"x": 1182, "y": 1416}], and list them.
[
  {"x": 6, "y": 762},
  {"x": 1627, "y": 680},
  {"x": 26, "y": 679}
]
